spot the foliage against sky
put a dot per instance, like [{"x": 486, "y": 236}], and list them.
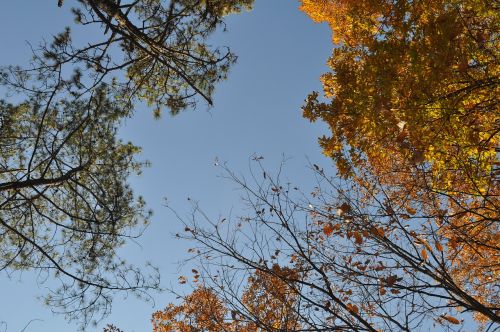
[
  {"x": 266, "y": 304},
  {"x": 412, "y": 97},
  {"x": 355, "y": 259},
  {"x": 407, "y": 235},
  {"x": 412, "y": 80},
  {"x": 403, "y": 118},
  {"x": 65, "y": 203},
  {"x": 66, "y": 207}
]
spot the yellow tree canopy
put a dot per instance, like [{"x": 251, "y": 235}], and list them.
[
  {"x": 412, "y": 98},
  {"x": 419, "y": 79},
  {"x": 266, "y": 304}
]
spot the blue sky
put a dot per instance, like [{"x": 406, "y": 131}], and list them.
[{"x": 257, "y": 111}]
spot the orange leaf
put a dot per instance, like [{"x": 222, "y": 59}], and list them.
[
  {"x": 451, "y": 319},
  {"x": 358, "y": 238},
  {"x": 425, "y": 256},
  {"x": 453, "y": 243},
  {"x": 411, "y": 211},
  {"x": 427, "y": 246},
  {"x": 328, "y": 229},
  {"x": 352, "y": 308},
  {"x": 439, "y": 247}
]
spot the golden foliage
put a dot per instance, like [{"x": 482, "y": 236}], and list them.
[
  {"x": 267, "y": 303},
  {"x": 272, "y": 301},
  {"x": 201, "y": 310},
  {"x": 412, "y": 99}
]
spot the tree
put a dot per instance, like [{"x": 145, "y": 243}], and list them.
[
  {"x": 201, "y": 311},
  {"x": 65, "y": 205},
  {"x": 152, "y": 51},
  {"x": 355, "y": 259},
  {"x": 416, "y": 80},
  {"x": 411, "y": 98},
  {"x": 266, "y": 304},
  {"x": 407, "y": 236}
]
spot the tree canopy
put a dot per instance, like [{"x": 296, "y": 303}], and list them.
[
  {"x": 414, "y": 81},
  {"x": 66, "y": 207},
  {"x": 355, "y": 259},
  {"x": 412, "y": 98},
  {"x": 155, "y": 51},
  {"x": 405, "y": 236},
  {"x": 266, "y": 304}
]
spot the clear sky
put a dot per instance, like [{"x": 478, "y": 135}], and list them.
[{"x": 281, "y": 56}]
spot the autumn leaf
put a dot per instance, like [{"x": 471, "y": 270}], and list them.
[
  {"x": 352, "y": 308},
  {"x": 391, "y": 280},
  {"x": 344, "y": 208},
  {"x": 358, "y": 238},
  {"x": 439, "y": 247},
  {"x": 377, "y": 231},
  {"x": 411, "y": 211},
  {"x": 451, "y": 319},
  {"x": 425, "y": 256},
  {"x": 453, "y": 243},
  {"x": 328, "y": 229}
]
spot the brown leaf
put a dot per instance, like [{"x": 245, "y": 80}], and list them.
[
  {"x": 411, "y": 211},
  {"x": 451, "y": 319},
  {"x": 328, "y": 229},
  {"x": 352, "y": 308},
  {"x": 425, "y": 256},
  {"x": 439, "y": 247},
  {"x": 391, "y": 280},
  {"x": 182, "y": 280},
  {"x": 378, "y": 231},
  {"x": 358, "y": 238},
  {"x": 344, "y": 208}
]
